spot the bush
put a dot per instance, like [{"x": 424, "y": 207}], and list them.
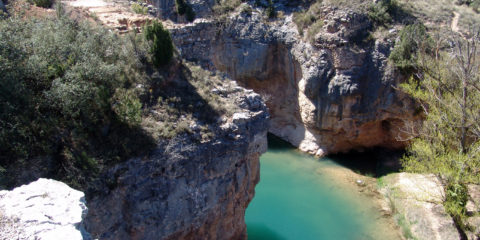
[
  {"x": 381, "y": 13},
  {"x": 127, "y": 106},
  {"x": 223, "y": 7},
  {"x": 43, "y": 3},
  {"x": 305, "y": 19},
  {"x": 446, "y": 143},
  {"x": 270, "y": 11},
  {"x": 183, "y": 8},
  {"x": 412, "y": 38},
  {"x": 65, "y": 96},
  {"x": 138, "y": 9},
  {"x": 456, "y": 201},
  {"x": 161, "y": 43},
  {"x": 474, "y": 4},
  {"x": 314, "y": 29}
]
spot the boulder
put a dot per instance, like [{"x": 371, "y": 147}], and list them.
[
  {"x": 44, "y": 209},
  {"x": 417, "y": 200}
]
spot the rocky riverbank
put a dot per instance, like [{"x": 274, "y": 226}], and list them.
[{"x": 417, "y": 204}]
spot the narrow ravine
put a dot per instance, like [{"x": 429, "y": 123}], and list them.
[{"x": 299, "y": 197}]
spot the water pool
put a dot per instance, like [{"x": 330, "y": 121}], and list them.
[{"x": 296, "y": 200}]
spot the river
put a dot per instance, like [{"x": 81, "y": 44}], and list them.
[{"x": 301, "y": 198}]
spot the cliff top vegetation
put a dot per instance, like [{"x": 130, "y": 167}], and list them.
[{"x": 76, "y": 97}]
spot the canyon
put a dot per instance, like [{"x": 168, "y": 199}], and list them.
[{"x": 331, "y": 93}]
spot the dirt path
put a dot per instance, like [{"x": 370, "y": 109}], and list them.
[
  {"x": 454, "y": 25},
  {"x": 113, "y": 14}
]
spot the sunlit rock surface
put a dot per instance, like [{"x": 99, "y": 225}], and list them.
[
  {"x": 417, "y": 202},
  {"x": 44, "y": 209},
  {"x": 335, "y": 93}
]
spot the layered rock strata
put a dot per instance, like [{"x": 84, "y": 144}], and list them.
[{"x": 332, "y": 94}]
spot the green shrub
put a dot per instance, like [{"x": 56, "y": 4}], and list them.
[
  {"x": 60, "y": 99},
  {"x": 314, "y": 29},
  {"x": 183, "y": 8},
  {"x": 412, "y": 38},
  {"x": 139, "y": 9},
  {"x": 127, "y": 106},
  {"x": 190, "y": 14},
  {"x": 223, "y": 7},
  {"x": 381, "y": 13},
  {"x": 161, "y": 43},
  {"x": 475, "y": 5},
  {"x": 455, "y": 202},
  {"x": 43, "y": 3},
  {"x": 305, "y": 19},
  {"x": 270, "y": 11},
  {"x": 246, "y": 9}
]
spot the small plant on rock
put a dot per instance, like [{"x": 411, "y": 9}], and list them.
[
  {"x": 270, "y": 11},
  {"x": 139, "y": 9}
]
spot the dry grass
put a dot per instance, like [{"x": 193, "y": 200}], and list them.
[
  {"x": 439, "y": 13},
  {"x": 225, "y": 6},
  {"x": 353, "y": 4},
  {"x": 193, "y": 107},
  {"x": 310, "y": 20}
]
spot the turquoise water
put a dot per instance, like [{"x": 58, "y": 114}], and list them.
[{"x": 296, "y": 201}]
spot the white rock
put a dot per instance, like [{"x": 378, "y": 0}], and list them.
[
  {"x": 240, "y": 118},
  {"x": 44, "y": 209},
  {"x": 320, "y": 153}
]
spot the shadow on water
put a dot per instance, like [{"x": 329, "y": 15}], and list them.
[
  {"x": 276, "y": 143},
  {"x": 375, "y": 162},
  {"x": 262, "y": 232}
]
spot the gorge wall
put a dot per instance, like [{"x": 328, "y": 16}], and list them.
[
  {"x": 332, "y": 94},
  {"x": 186, "y": 189}
]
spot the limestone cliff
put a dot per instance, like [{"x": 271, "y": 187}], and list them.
[
  {"x": 333, "y": 94},
  {"x": 186, "y": 189}
]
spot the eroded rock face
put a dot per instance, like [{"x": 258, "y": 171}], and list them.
[
  {"x": 333, "y": 95},
  {"x": 44, "y": 209},
  {"x": 186, "y": 189}
]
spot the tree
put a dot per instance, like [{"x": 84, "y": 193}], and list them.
[
  {"x": 411, "y": 38},
  {"x": 183, "y": 8},
  {"x": 447, "y": 86},
  {"x": 68, "y": 101},
  {"x": 161, "y": 43}
]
